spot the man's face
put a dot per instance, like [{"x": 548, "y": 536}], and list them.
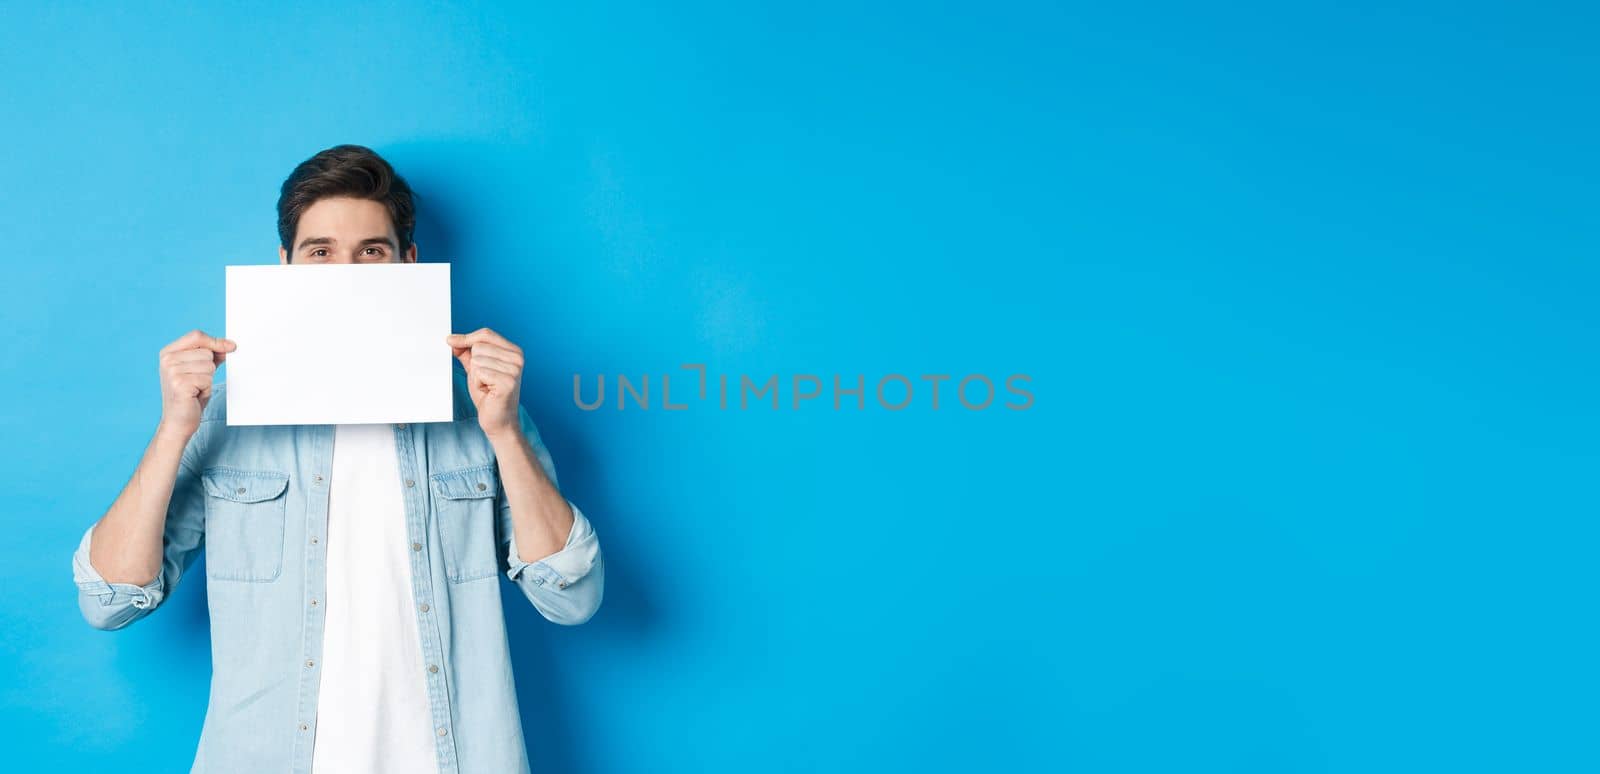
[{"x": 346, "y": 230}]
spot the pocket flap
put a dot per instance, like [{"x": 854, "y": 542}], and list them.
[
  {"x": 244, "y": 486},
  {"x": 466, "y": 483}
]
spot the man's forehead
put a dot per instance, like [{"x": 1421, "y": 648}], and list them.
[
  {"x": 337, "y": 209},
  {"x": 346, "y": 219}
]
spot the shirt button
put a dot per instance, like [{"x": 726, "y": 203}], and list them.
[
  {"x": 313, "y": 540},
  {"x": 442, "y": 731},
  {"x": 240, "y": 490},
  {"x": 423, "y": 607},
  {"x": 433, "y": 668},
  {"x": 310, "y": 663},
  {"x": 409, "y": 482},
  {"x": 313, "y": 603},
  {"x": 317, "y": 478},
  {"x": 481, "y": 486},
  {"x": 562, "y": 584},
  {"x": 303, "y": 726},
  {"x": 416, "y": 546},
  {"x": 402, "y": 426}
]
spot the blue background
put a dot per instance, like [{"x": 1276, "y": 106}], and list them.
[{"x": 1307, "y": 297}]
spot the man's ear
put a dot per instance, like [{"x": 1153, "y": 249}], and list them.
[
  {"x": 283, "y": 255},
  {"x": 411, "y": 253}
]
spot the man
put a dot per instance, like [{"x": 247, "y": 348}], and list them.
[{"x": 356, "y": 623}]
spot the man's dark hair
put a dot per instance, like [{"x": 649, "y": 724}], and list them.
[{"x": 345, "y": 170}]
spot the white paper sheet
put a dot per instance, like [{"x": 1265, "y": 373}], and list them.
[{"x": 327, "y": 344}]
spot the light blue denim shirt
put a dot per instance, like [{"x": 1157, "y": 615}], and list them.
[{"x": 256, "y": 500}]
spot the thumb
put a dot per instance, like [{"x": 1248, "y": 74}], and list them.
[{"x": 463, "y": 354}]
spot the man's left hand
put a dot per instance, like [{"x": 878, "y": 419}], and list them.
[{"x": 494, "y": 378}]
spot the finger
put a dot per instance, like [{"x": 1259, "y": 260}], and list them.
[
  {"x": 192, "y": 385},
  {"x": 498, "y": 352},
  {"x": 185, "y": 356},
  {"x": 205, "y": 385},
  {"x": 188, "y": 356},
  {"x": 188, "y": 340},
  {"x": 203, "y": 367},
  {"x": 485, "y": 361},
  {"x": 485, "y": 335},
  {"x": 198, "y": 339},
  {"x": 491, "y": 377}
]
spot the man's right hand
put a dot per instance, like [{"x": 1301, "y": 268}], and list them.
[{"x": 187, "y": 367}]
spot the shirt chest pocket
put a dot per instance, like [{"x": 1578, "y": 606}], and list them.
[
  {"x": 244, "y": 523},
  {"x": 464, "y": 509}
]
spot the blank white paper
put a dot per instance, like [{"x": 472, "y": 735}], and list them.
[{"x": 324, "y": 344}]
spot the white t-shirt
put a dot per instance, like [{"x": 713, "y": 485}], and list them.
[{"x": 372, "y": 708}]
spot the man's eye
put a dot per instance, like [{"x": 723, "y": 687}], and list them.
[
  {"x": 320, "y": 253},
  {"x": 374, "y": 251}
]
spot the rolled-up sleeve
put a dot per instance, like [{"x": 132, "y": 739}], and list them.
[
  {"x": 109, "y": 606},
  {"x": 567, "y": 586}
]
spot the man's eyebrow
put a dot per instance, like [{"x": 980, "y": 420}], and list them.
[
  {"x": 377, "y": 240},
  {"x": 315, "y": 241}
]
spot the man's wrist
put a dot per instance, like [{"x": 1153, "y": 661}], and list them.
[
  {"x": 166, "y": 433},
  {"x": 504, "y": 437}
]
